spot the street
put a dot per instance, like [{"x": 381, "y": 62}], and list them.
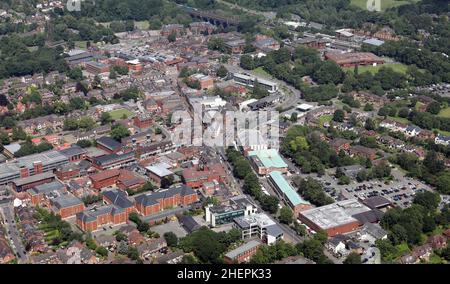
[{"x": 13, "y": 233}]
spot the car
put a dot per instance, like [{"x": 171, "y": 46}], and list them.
[{"x": 104, "y": 229}]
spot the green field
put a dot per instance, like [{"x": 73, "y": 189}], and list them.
[
  {"x": 398, "y": 67},
  {"x": 399, "y": 119},
  {"x": 118, "y": 114},
  {"x": 442, "y": 132},
  {"x": 385, "y": 4},
  {"x": 142, "y": 25},
  {"x": 445, "y": 112},
  {"x": 325, "y": 118},
  {"x": 81, "y": 44},
  {"x": 261, "y": 72}
]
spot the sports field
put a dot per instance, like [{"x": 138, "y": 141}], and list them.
[{"x": 118, "y": 114}]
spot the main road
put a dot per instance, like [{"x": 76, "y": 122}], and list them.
[{"x": 13, "y": 233}]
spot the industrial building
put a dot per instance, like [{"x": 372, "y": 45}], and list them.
[{"x": 338, "y": 218}]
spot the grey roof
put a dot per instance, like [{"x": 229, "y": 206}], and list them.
[
  {"x": 243, "y": 248},
  {"x": 374, "y": 41},
  {"x": 108, "y": 142},
  {"x": 274, "y": 230},
  {"x": 374, "y": 230},
  {"x": 66, "y": 200},
  {"x": 48, "y": 187},
  {"x": 34, "y": 178},
  {"x": 152, "y": 199},
  {"x": 12, "y": 148},
  {"x": 73, "y": 151},
  {"x": 91, "y": 215},
  {"x": 188, "y": 223},
  {"x": 118, "y": 198},
  {"x": 112, "y": 158},
  {"x": 376, "y": 202},
  {"x": 371, "y": 216}
]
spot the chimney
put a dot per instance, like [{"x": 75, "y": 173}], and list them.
[
  {"x": 24, "y": 172},
  {"x": 38, "y": 168}
]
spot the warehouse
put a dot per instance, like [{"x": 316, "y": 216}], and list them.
[
  {"x": 352, "y": 59},
  {"x": 336, "y": 218}
]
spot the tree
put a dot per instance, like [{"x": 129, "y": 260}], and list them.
[
  {"x": 222, "y": 71},
  {"x": 86, "y": 123},
  {"x": 119, "y": 131},
  {"x": 269, "y": 203},
  {"x": 84, "y": 143},
  {"x": 328, "y": 72},
  {"x": 338, "y": 115},
  {"x": 247, "y": 62},
  {"x": 403, "y": 112},
  {"x": 344, "y": 180},
  {"x": 172, "y": 37},
  {"x": 102, "y": 251},
  {"x": 429, "y": 200},
  {"x": 368, "y": 107},
  {"x": 171, "y": 239},
  {"x": 353, "y": 258},
  {"x": 294, "y": 117},
  {"x": 434, "y": 108},
  {"x": 286, "y": 215},
  {"x": 105, "y": 118}
]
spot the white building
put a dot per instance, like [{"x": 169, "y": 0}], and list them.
[{"x": 259, "y": 225}]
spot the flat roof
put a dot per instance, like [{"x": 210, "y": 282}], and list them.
[
  {"x": 269, "y": 158},
  {"x": 287, "y": 189},
  {"x": 336, "y": 214},
  {"x": 159, "y": 170},
  {"x": 34, "y": 178}
]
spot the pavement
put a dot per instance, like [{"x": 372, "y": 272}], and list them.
[{"x": 13, "y": 233}]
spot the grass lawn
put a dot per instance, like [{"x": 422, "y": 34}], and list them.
[
  {"x": 142, "y": 25},
  {"x": 325, "y": 118},
  {"x": 398, "y": 67},
  {"x": 118, "y": 114},
  {"x": 445, "y": 112},
  {"x": 385, "y": 4},
  {"x": 81, "y": 44},
  {"x": 442, "y": 132},
  {"x": 261, "y": 72},
  {"x": 399, "y": 119}
]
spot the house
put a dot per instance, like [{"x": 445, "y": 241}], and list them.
[
  {"x": 171, "y": 258},
  {"x": 339, "y": 144},
  {"x": 337, "y": 244},
  {"x": 362, "y": 151},
  {"x": 440, "y": 139},
  {"x": 149, "y": 249},
  {"x": 188, "y": 223},
  {"x": 412, "y": 130},
  {"x": 371, "y": 232},
  {"x": 135, "y": 238},
  {"x": 437, "y": 242},
  {"x": 107, "y": 241}
]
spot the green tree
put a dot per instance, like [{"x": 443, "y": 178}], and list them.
[
  {"x": 172, "y": 37},
  {"x": 353, "y": 258},
  {"x": 339, "y": 115},
  {"x": 119, "y": 131},
  {"x": 102, "y": 251},
  {"x": 286, "y": 215},
  {"x": 171, "y": 239},
  {"x": 84, "y": 143},
  {"x": 222, "y": 71}
]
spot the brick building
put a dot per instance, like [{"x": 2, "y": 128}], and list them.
[
  {"x": 195, "y": 178},
  {"x": 94, "y": 219},
  {"x": 242, "y": 253},
  {"x": 148, "y": 204},
  {"x": 352, "y": 59}
]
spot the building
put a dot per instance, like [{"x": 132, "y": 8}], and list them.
[
  {"x": 159, "y": 173},
  {"x": 155, "y": 202},
  {"x": 172, "y": 29},
  {"x": 267, "y": 160},
  {"x": 238, "y": 206},
  {"x": 22, "y": 184},
  {"x": 440, "y": 139},
  {"x": 188, "y": 223},
  {"x": 96, "y": 68},
  {"x": 235, "y": 46},
  {"x": 352, "y": 59},
  {"x": 108, "y": 144},
  {"x": 31, "y": 165},
  {"x": 139, "y": 138},
  {"x": 242, "y": 253},
  {"x": 143, "y": 121},
  {"x": 287, "y": 193},
  {"x": 119, "y": 199},
  {"x": 67, "y": 205},
  {"x": 195, "y": 178},
  {"x": 201, "y": 28},
  {"x": 250, "y": 81},
  {"x": 93, "y": 219},
  {"x": 259, "y": 225},
  {"x": 114, "y": 161},
  {"x": 338, "y": 144},
  {"x": 206, "y": 82},
  {"x": 362, "y": 151},
  {"x": 336, "y": 218}
]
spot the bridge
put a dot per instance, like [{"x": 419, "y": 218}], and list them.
[{"x": 211, "y": 17}]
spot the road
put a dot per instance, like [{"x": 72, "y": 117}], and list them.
[{"x": 13, "y": 233}]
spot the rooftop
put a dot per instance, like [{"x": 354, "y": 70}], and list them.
[
  {"x": 269, "y": 158},
  {"x": 336, "y": 214},
  {"x": 287, "y": 189},
  {"x": 243, "y": 248}
]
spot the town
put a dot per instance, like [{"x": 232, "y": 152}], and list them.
[{"x": 97, "y": 167}]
